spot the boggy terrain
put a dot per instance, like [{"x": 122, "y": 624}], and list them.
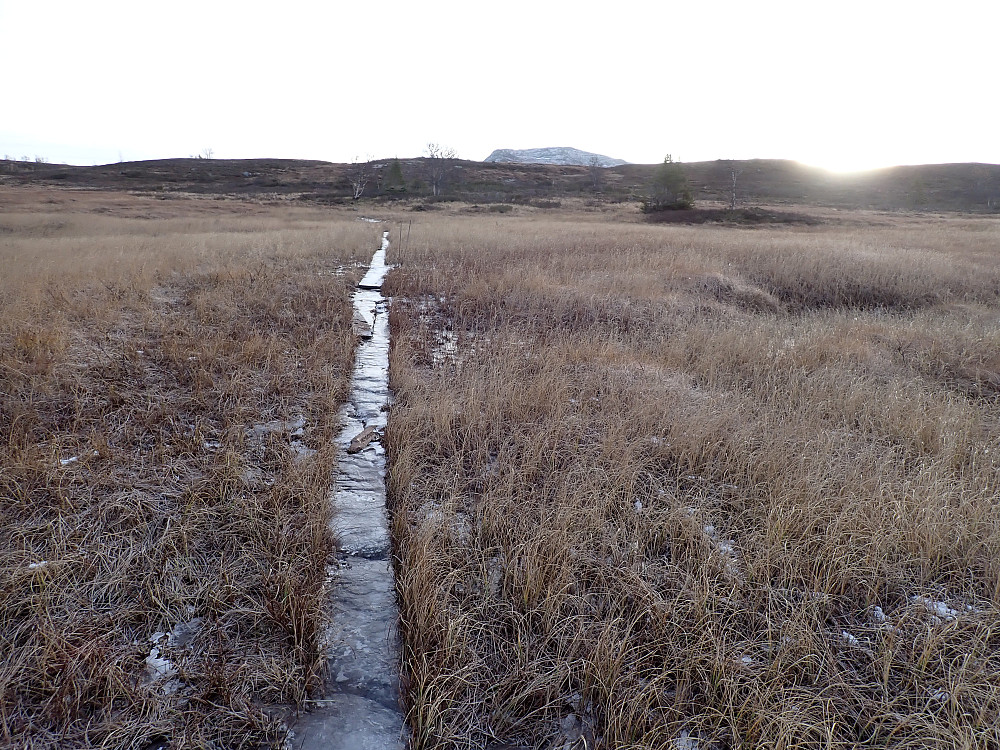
[
  {"x": 677, "y": 487},
  {"x": 169, "y": 384},
  {"x": 650, "y": 486}
]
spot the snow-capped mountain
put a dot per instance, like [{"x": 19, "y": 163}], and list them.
[{"x": 553, "y": 155}]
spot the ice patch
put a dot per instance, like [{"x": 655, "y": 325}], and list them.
[
  {"x": 74, "y": 459},
  {"x": 358, "y": 706},
  {"x": 158, "y": 667},
  {"x": 575, "y": 731},
  {"x": 457, "y": 522},
  {"x": 184, "y": 632},
  {"x": 686, "y": 741},
  {"x": 301, "y": 450},
  {"x": 726, "y": 547},
  {"x": 377, "y": 269},
  {"x": 445, "y": 348},
  {"x": 935, "y": 607},
  {"x": 294, "y": 427}
]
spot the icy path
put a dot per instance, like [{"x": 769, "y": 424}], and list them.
[{"x": 360, "y": 708}]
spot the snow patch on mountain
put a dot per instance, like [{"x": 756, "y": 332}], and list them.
[{"x": 552, "y": 155}]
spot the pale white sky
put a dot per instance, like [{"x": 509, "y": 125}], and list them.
[{"x": 840, "y": 84}]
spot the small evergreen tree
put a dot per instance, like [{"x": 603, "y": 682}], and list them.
[
  {"x": 394, "y": 179},
  {"x": 669, "y": 190}
]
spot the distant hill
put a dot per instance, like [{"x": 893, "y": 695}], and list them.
[
  {"x": 951, "y": 187},
  {"x": 562, "y": 155},
  {"x": 929, "y": 187}
]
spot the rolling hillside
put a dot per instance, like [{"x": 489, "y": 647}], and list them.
[{"x": 938, "y": 187}]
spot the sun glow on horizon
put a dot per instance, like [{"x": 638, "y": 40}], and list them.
[
  {"x": 847, "y": 87},
  {"x": 838, "y": 164}
]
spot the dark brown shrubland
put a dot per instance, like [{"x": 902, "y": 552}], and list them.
[
  {"x": 141, "y": 484},
  {"x": 655, "y": 483}
]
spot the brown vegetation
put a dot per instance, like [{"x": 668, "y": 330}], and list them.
[
  {"x": 931, "y": 187},
  {"x": 169, "y": 383},
  {"x": 661, "y": 486},
  {"x": 651, "y": 486}
]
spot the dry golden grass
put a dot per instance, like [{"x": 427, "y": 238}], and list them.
[
  {"x": 169, "y": 384},
  {"x": 673, "y": 487}
]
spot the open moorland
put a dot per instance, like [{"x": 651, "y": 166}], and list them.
[
  {"x": 651, "y": 485},
  {"x": 695, "y": 487},
  {"x": 169, "y": 383}
]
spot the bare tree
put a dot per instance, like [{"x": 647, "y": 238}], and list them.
[
  {"x": 206, "y": 153},
  {"x": 439, "y": 164},
  {"x": 734, "y": 173},
  {"x": 359, "y": 175},
  {"x": 596, "y": 170}
]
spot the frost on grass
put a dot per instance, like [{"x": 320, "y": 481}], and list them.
[{"x": 850, "y": 640}]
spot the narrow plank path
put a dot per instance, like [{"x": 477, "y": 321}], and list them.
[{"x": 360, "y": 708}]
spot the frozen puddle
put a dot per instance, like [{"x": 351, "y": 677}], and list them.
[{"x": 360, "y": 706}]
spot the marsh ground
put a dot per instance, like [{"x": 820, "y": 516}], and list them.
[
  {"x": 650, "y": 486},
  {"x": 170, "y": 381},
  {"x": 662, "y": 486}
]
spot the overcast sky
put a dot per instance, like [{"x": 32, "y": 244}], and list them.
[{"x": 838, "y": 84}]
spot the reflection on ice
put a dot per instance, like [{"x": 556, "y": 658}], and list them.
[{"x": 360, "y": 705}]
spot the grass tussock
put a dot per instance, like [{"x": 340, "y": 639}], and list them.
[
  {"x": 675, "y": 487},
  {"x": 168, "y": 396}
]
